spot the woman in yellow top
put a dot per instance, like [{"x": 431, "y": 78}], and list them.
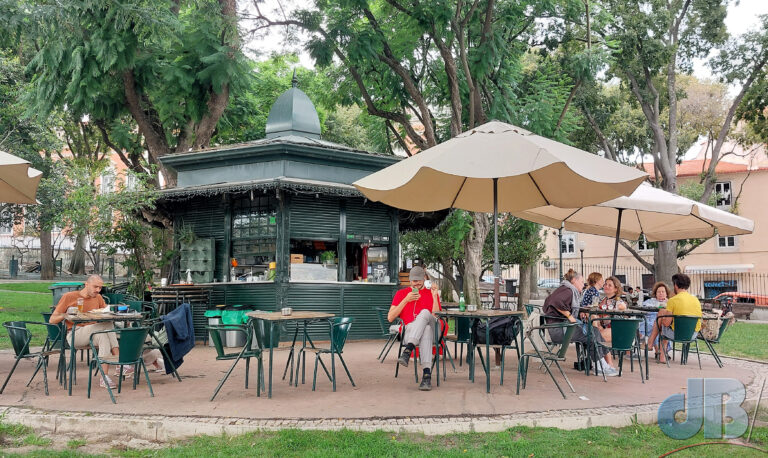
[{"x": 682, "y": 303}]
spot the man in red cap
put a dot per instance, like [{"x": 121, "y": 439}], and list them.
[{"x": 416, "y": 307}]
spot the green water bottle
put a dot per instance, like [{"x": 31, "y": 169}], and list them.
[{"x": 462, "y": 305}]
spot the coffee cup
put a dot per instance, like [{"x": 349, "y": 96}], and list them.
[
  {"x": 72, "y": 311},
  {"x": 286, "y": 311},
  {"x": 163, "y": 282}
]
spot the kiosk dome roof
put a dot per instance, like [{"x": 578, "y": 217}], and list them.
[{"x": 293, "y": 114}]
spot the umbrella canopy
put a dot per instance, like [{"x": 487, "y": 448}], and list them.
[
  {"x": 532, "y": 171},
  {"x": 652, "y": 212},
  {"x": 18, "y": 181}
]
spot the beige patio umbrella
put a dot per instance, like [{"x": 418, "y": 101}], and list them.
[
  {"x": 499, "y": 167},
  {"x": 18, "y": 181},
  {"x": 652, "y": 212}
]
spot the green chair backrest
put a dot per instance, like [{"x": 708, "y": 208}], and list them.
[
  {"x": 685, "y": 327},
  {"x": 262, "y": 333},
  {"x": 463, "y": 326},
  {"x": 341, "y": 327},
  {"x": 131, "y": 344},
  {"x": 114, "y": 298},
  {"x": 217, "y": 331},
  {"x": 723, "y": 327},
  {"x": 381, "y": 314},
  {"x": 529, "y": 308},
  {"x": 624, "y": 332},
  {"x": 20, "y": 337},
  {"x": 569, "y": 329}
]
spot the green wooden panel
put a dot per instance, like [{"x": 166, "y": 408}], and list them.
[
  {"x": 359, "y": 302},
  {"x": 370, "y": 218},
  {"x": 206, "y": 218},
  {"x": 259, "y": 296},
  {"x": 316, "y": 297},
  {"x": 314, "y": 218}
]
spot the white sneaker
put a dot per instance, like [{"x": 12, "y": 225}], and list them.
[
  {"x": 610, "y": 372},
  {"x": 109, "y": 382}
]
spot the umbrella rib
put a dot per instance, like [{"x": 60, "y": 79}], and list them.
[
  {"x": 538, "y": 188},
  {"x": 458, "y": 192}
]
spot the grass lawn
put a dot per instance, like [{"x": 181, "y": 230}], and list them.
[
  {"x": 38, "y": 287},
  {"x": 743, "y": 340},
  {"x": 19, "y": 306},
  {"x": 630, "y": 441}
]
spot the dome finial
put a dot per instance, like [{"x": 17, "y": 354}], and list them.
[{"x": 294, "y": 80}]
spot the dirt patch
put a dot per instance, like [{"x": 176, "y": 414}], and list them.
[{"x": 86, "y": 444}]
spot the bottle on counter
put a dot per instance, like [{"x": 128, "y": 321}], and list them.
[{"x": 462, "y": 304}]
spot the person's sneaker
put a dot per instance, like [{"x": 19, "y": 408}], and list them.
[
  {"x": 127, "y": 371},
  {"x": 404, "y": 358},
  {"x": 611, "y": 372},
  {"x": 109, "y": 381},
  {"x": 426, "y": 382}
]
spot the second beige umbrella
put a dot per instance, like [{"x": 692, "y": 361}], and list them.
[
  {"x": 652, "y": 212},
  {"x": 18, "y": 181}
]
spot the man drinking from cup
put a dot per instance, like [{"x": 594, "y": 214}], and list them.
[
  {"x": 416, "y": 306},
  {"x": 90, "y": 297}
]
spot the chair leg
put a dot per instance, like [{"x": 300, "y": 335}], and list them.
[
  {"x": 520, "y": 372},
  {"x": 327, "y": 373},
  {"x": 90, "y": 379},
  {"x": 314, "y": 376},
  {"x": 399, "y": 353},
  {"x": 714, "y": 353},
  {"x": 639, "y": 363},
  {"x": 565, "y": 377},
  {"x": 391, "y": 344},
  {"x": 45, "y": 374},
  {"x": 552, "y": 376},
  {"x": 501, "y": 378},
  {"x": 698, "y": 354},
  {"x": 9, "y": 375},
  {"x": 146, "y": 376},
  {"x": 106, "y": 382},
  {"x": 345, "y": 368},
  {"x": 247, "y": 370},
  {"x": 259, "y": 370},
  {"x": 224, "y": 379}
]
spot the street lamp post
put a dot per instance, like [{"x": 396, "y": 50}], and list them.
[{"x": 582, "y": 245}]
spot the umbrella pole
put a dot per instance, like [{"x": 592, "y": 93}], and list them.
[
  {"x": 496, "y": 267},
  {"x": 616, "y": 243}
]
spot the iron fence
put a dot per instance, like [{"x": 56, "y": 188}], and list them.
[{"x": 704, "y": 284}]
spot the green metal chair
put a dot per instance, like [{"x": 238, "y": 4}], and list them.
[
  {"x": 723, "y": 327},
  {"x": 684, "y": 325},
  {"x": 339, "y": 332},
  {"x": 131, "y": 347},
  {"x": 623, "y": 339},
  {"x": 246, "y": 353},
  {"x": 387, "y": 331},
  {"x": 20, "y": 336},
  {"x": 545, "y": 355}
]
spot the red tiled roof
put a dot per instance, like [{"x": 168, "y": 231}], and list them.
[{"x": 695, "y": 167}]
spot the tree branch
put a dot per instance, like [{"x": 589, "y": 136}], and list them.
[{"x": 637, "y": 256}]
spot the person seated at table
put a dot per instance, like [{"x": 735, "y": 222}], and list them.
[
  {"x": 682, "y": 303},
  {"x": 416, "y": 306},
  {"x": 560, "y": 304},
  {"x": 611, "y": 301},
  {"x": 595, "y": 282},
  {"x": 92, "y": 300},
  {"x": 658, "y": 300}
]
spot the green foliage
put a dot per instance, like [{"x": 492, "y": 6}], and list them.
[{"x": 519, "y": 243}]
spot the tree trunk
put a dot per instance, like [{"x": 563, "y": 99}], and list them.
[
  {"x": 524, "y": 288},
  {"x": 473, "y": 251},
  {"x": 449, "y": 284},
  {"x": 665, "y": 261},
  {"x": 77, "y": 263},
  {"x": 534, "y": 287},
  {"x": 47, "y": 271}
]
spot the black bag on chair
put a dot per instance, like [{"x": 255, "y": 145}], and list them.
[{"x": 502, "y": 330}]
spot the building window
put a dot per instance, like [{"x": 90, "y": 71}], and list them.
[
  {"x": 254, "y": 235},
  {"x": 107, "y": 182},
  {"x": 723, "y": 194},
  {"x": 726, "y": 242},
  {"x": 642, "y": 244},
  {"x": 131, "y": 182},
  {"x": 568, "y": 244}
]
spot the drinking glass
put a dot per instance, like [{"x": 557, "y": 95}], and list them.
[{"x": 80, "y": 302}]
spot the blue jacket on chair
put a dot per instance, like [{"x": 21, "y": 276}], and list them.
[{"x": 180, "y": 331}]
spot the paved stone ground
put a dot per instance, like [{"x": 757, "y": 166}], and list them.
[{"x": 378, "y": 402}]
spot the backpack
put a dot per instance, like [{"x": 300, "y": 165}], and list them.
[{"x": 502, "y": 330}]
